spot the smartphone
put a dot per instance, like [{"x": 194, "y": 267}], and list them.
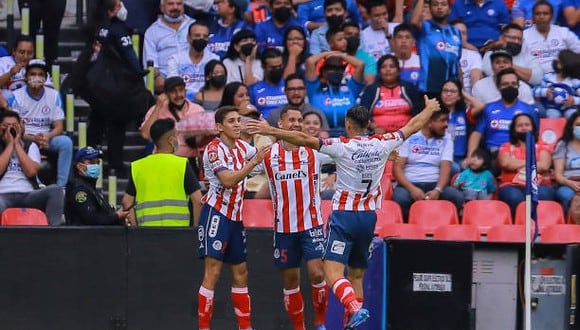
[{"x": 13, "y": 131}]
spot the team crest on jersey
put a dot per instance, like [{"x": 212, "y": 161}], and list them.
[
  {"x": 414, "y": 75},
  {"x": 554, "y": 42},
  {"x": 490, "y": 12},
  {"x": 344, "y": 89},
  {"x": 417, "y": 149},
  {"x": 217, "y": 245},
  {"x": 440, "y": 45},
  {"x": 45, "y": 110}
]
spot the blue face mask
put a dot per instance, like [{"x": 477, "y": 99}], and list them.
[
  {"x": 173, "y": 20},
  {"x": 93, "y": 171},
  {"x": 577, "y": 132}
]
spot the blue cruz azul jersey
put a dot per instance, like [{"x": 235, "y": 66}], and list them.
[{"x": 267, "y": 97}]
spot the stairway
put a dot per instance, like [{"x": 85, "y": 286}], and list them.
[{"x": 70, "y": 45}]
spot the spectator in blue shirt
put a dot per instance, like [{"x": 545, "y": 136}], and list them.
[
  {"x": 523, "y": 13},
  {"x": 271, "y": 32},
  {"x": 485, "y": 18},
  {"x": 268, "y": 94},
  {"x": 335, "y": 14},
  {"x": 572, "y": 15},
  {"x": 229, "y": 21},
  {"x": 313, "y": 13}
]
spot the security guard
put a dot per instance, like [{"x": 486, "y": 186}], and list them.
[
  {"x": 161, "y": 185},
  {"x": 84, "y": 204}
]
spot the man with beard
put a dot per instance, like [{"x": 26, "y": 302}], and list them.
[
  {"x": 327, "y": 89},
  {"x": 439, "y": 46},
  {"x": 423, "y": 168},
  {"x": 271, "y": 32},
  {"x": 295, "y": 90},
  {"x": 526, "y": 66},
  {"x": 165, "y": 37},
  {"x": 190, "y": 65},
  {"x": 268, "y": 94}
]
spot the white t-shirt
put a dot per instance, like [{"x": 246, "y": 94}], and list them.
[
  {"x": 193, "y": 74},
  {"x": 486, "y": 91},
  {"x": 547, "y": 49},
  {"x": 424, "y": 156},
  {"x": 14, "y": 180},
  {"x": 470, "y": 59},
  {"x": 236, "y": 69},
  {"x": 37, "y": 114},
  {"x": 375, "y": 42},
  {"x": 17, "y": 80}
]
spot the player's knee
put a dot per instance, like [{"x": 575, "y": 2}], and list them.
[{"x": 240, "y": 276}]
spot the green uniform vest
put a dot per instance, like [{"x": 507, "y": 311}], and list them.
[{"x": 161, "y": 198}]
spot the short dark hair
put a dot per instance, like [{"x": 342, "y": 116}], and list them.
[
  {"x": 9, "y": 113},
  {"x": 198, "y": 22},
  {"x": 328, "y": 3},
  {"x": 570, "y": 63},
  {"x": 160, "y": 127},
  {"x": 229, "y": 92},
  {"x": 374, "y": 3},
  {"x": 286, "y": 109},
  {"x": 221, "y": 112},
  {"x": 208, "y": 70},
  {"x": 332, "y": 31},
  {"x": 350, "y": 23},
  {"x": 435, "y": 115},
  {"x": 359, "y": 116},
  {"x": 293, "y": 76},
  {"x": 485, "y": 155},
  {"x": 543, "y": 3},
  {"x": 511, "y": 26},
  {"x": 384, "y": 58},
  {"x": 270, "y": 52},
  {"x": 402, "y": 28},
  {"x": 504, "y": 72},
  {"x": 568, "y": 134},
  {"x": 21, "y": 38},
  {"x": 513, "y": 137}
]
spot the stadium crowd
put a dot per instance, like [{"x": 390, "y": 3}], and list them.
[{"x": 298, "y": 100}]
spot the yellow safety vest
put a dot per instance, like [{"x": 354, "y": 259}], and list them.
[{"x": 161, "y": 199}]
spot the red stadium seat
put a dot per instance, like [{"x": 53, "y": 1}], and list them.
[
  {"x": 402, "y": 230},
  {"x": 457, "y": 233},
  {"x": 433, "y": 213},
  {"x": 561, "y": 234},
  {"x": 258, "y": 213},
  {"x": 486, "y": 213},
  {"x": 387, "y": 187},
  {"x": 507, "y": 233},
  {"x": 23, "y": 217},
  {"x": 551, "y": 130},
  {"x": 390, "y": 212},
  {"x": 549, "y": 213}
]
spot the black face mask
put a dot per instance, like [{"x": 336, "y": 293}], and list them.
[
  {"x": 334, "y": 20},
  {"x": 218, "y": 81},
  {"x": 352, "y": 44},
  {"x": 247, "y": 49},
  {"x": 275, "y": 75},
  {"x": 334, "y": 78},
  {"x": 520, "y": 136},
  {"x": 199, "y": 44},
  {"x": 282, "y": 14},
  {"x": 513, "y": 48},
  {"x": 509, "y": 94}
]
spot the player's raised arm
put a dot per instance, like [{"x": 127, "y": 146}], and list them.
[
  {"x": 294, "y": 137},
  {"x": 417, "y": 122}
]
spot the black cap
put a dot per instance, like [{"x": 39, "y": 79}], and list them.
[
  {"x": 37, "y": 63},
  {"x": 171, "y": 82},
  {"x": 501, "y": 52}
]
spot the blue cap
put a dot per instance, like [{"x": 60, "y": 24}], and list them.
[{"x": 88, "y": 153}]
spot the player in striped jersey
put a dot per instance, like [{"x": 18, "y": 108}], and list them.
[
  {"x": 227, "y": 161},
  {"x": 293, "y": 174},
  {"x": 360, "y": 161}
]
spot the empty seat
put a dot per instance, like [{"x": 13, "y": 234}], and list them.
[
  {"x": 457, "y": 233},
  {"x": 432, "y": 214},
  {"x": 23, "y": 217},
  {"x": 387, "y": 187},
  {"x": 563, "y": 233},
  {"x": 549, "y": 213},
  {"x": 507, "y": 233},
  {"x": 551, "y": 130},
  {"x": 486, "y": 213},
  {"x": 402, "y": 230},
  {"x": 258, "y": 213},
  {"x": 390, "y": 212}
]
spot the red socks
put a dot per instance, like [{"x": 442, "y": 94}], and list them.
[
  {"x": 345, "y": 293},
  {"x": 294, "y": 305},
  {"x": 204, "y": 307},
  {"x": 242, "y": 308},
  {"x": 320, "y": 302}
]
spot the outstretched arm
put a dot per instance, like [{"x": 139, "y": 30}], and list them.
[
  {"x": 417, "y": 122},
  {"x": 294, "y": 137}
]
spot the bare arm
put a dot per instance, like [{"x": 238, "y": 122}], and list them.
[
  {"x": 5, "y": 78},
  {"x": 544, "y": 162},
  {"x": 58, "y": 128},
  {"x": 399, "y": 175},
  {"x": 473, "y": 142},
  {"x": 509, "y": 163},
  {"x": 7, "y": 152},
  {"x": 417, "y": 17},
  {"x": 231, "y": 178},
  {"x": 311, "y": 64},
  {"x": 359, "y": 67},
  {"x": 249, "y": 78},
  {"x": 523, "y": 72},
  {"x": 417, "y": 122},
  {"x": 127, "y": 203},
  {"x": 476, "y": 105},
  {"x": 196, "y": 204},
  {"x": 442, "y": 181},
  {"x": 294, "y": 137},
  {"x": 162, "y": 101},
  {"x": 475, "y": 75}
]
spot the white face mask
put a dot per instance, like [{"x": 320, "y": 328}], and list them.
[
  {"x": 122, "y": 13},
  {"x": 36, "y": 81}
]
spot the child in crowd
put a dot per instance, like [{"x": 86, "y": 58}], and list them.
[{"x": 476, "y": 181}]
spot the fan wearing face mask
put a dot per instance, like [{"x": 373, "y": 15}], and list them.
[
  {"x": 242, "y": 61},
  {"x": 268, "y": 94},
  {"x": 190, "y": 65},
  {"x": 271, "y": 32}
]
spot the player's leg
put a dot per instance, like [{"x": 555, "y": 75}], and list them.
[
  {"x": 313, "y": 248},
  {"x": 212, "y": 235},
  {"x": 287, "y": 257},
  {"x": 235, "y": 254}
]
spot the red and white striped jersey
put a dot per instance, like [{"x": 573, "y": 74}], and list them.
[
  {"x": 360, "y": 162},
  {"x": 294, "y": 186},
  {"x": 219, "y": 157}
]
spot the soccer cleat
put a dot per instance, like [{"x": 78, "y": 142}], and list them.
[
  {"x": 357, "y": 319},
  {"x": 320, "y": 327}
]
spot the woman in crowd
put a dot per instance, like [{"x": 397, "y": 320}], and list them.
[
  {"x": 295, "y": 51},
  {"x": 242, "y": 61},
  {"x": 391, "y": 101},
  {"x": 210, "y": 95},
  {"x": 312, "y": 125},
  {"x": 512, "y": 162},
  {"x": 567, "y": 162}
]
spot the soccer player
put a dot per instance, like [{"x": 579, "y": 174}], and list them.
[
  {"x": 360, "y": 161},
  {"x": 227, "y": 161},
  {"x": 293, "y": 174}
]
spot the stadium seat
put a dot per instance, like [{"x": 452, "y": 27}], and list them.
[
  {"x": 507, "y": 233},
  {"x": 486, "y": 213},
  {"x": 402, "y": 230},
  {"x": 457, "y": 233},
  {"x": 390, "y": 212},
  {"x": 387, "y": 187},
  {"x": 563, "y": 233},
  {"x": 551, "y": 130},
  {"x": 23, "y": 217},
  {"x": 258, "y": 213},
  {"x": 433, "y": 213},
  {"x": 549, "y": 213}
]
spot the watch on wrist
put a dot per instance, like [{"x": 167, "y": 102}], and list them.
[{"x": 439, "y": 189}]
